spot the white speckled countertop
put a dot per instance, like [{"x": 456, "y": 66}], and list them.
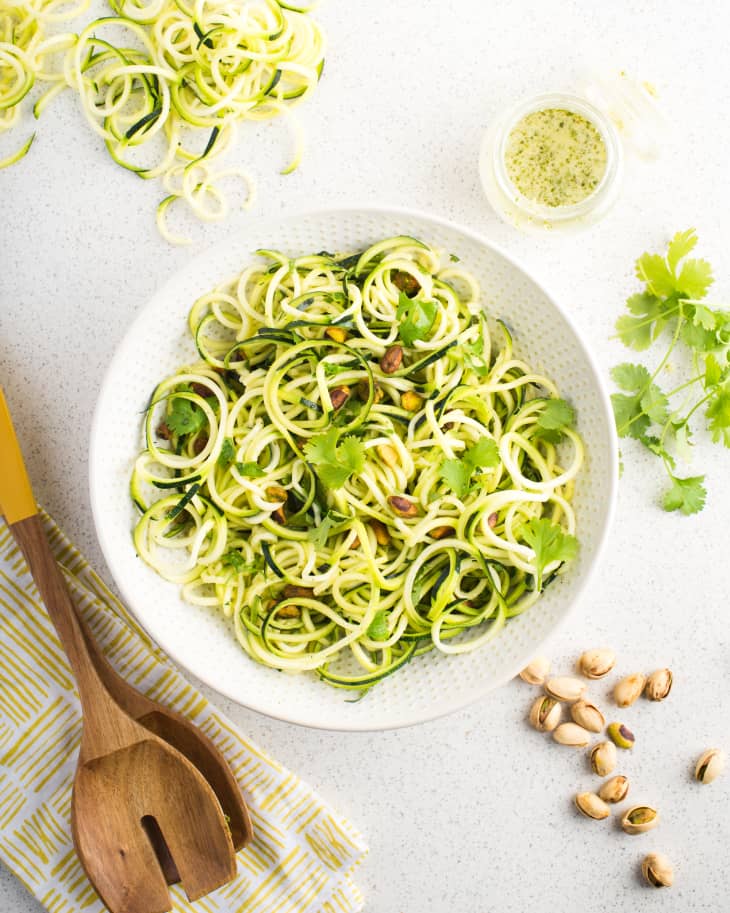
[{"x": 471, "y": 813}]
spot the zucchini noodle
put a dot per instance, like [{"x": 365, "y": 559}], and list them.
[
  {"x": 297, "y": 479},
  {"x": 166, "y": 82},
  {"x": 25, "y": 47}
]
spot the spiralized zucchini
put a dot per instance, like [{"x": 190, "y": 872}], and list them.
[
  {"x": 315, "y": 477},
  {"x": 165, "y": 83},
  {"x": 25, "y": 47}
]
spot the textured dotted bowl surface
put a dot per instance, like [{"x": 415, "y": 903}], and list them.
[{"x": 203, "y": 642}]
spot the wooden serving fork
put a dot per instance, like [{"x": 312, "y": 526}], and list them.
[{"x": 134, "y": 793}]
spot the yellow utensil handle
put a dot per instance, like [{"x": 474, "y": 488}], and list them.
[{"x": 16, "y": 496}]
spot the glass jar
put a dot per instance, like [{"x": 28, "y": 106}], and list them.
[{"x": 529, "y": 214}]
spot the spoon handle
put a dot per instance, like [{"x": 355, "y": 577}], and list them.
[{"x": 106, "y": 728}]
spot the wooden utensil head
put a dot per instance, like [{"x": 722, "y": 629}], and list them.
[{"x": 138, "y": 798}]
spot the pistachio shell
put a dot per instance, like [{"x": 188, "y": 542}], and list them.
[
  {"x": 597, "y": 663},
  {"x": 657, "y": 870},
  {"x": 572, "y": 734},
  {"x": 629, "y": 689},
  {"x": 658, "y": 684},
  {"x": 603, "y": 758},
  {"x": 545, "y": 713},
  {"x": 592, "y": 806},
  {"x": 639, "y": 819},
  {"x": 621, "y": 735},
  {"x": 616, "y": 789},
  {"x": 710, "y": 765},
  {"x": 565, "y": 688},
  {"x": 536, "y": 671},
  {"x": 588, "y": 716}
]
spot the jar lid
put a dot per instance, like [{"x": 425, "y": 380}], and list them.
[{"x": 632, "y": 106}]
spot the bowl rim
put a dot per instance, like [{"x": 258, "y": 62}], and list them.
[{"x": 444, "y": 708}]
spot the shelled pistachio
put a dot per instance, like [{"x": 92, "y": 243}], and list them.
[{"x": 621, "y": 735}]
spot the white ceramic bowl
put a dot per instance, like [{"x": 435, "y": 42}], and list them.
[{"x": 158, "y": 342}]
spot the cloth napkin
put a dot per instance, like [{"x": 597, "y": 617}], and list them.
[{"x": 303, "y": 855}]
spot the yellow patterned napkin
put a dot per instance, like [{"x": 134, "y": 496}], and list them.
[{"x": 303, "y": 855}]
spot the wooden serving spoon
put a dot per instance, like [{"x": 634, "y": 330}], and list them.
[{"x": 132, "y": 790}]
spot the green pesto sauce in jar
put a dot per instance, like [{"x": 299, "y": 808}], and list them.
[{"x": 555, "y": 157}]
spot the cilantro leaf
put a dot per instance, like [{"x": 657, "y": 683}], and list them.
[
  {"x": 703, "y": 317},
  {"x": 550, "y": 543},
  {"x": 683, "y": 440},
  {"x": 184, "y": 417},
  {"x": 233, "y": 559},
  {"x": 555, "y": 416},
  {"x": 322, "y": 448},
  {"x": 378, "y": 628},
  {"x": 250, "y": 470},
  {"x": 416, "y": 318},
  {"x": 635, "y": 332},
  {"x": 655, "y": 404},
  {"x": 335, "y": 462},
  {"x": 718, "y": 415},
  {"x": 656, "y": 273},
  {"x": 627, "y": 413},
  {"x": 456, "y": 474},
  {"x": 713, "y": 371},
  {"x": 695, "y": 278},
  {"x": 454, "y": 258},
  {"x": 474, "y": 356},
  {"x": 631, "y": 377},
  {"x": 484, "y": 454},
  {"x": 333, "y": 475},
  {"x": 683, "y": 243},
  {"x": 227, "y": 454},
  {"x": 686, "y": 495}
]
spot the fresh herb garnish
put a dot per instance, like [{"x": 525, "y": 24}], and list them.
[
  {"x": 416, "y": 318},
  {"x": 184, "y": 417},
  {"x": 556, "y": 415},
  {"x": 457, "y": 473},
  {"x": 227, "y": 454},
  {"x": 658, "y": 419},
  {"x": 335, "y": 460},
  {"x": 550, "y": 543},
  {"x": 250, "y": 470}
]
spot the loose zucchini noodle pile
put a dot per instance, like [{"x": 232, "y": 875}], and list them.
[
  {"x": 25, "y": 49},
  {"x": 298, "y": 478},
  {"x": 166, "y": 83}
]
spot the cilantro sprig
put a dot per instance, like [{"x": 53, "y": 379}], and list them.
[
  {"x": 416, "y": 318},
  {"x": 184, "y": 416},
  {"x": 661, "y": 420},
  {"x": 550, "y": 543},
  {"x": 335, "y": 460},
  {"x": 457, "y": 473}
]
